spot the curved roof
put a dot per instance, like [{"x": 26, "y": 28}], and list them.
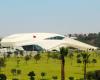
[
  {"x": 41, "y": 40},
  {"x": 28, "y": 36}
]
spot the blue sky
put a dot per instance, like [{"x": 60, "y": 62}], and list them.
[{"x": 59, "y": 16}]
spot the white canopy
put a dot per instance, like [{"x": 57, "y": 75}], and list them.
[{"x": 45, "y": 40}]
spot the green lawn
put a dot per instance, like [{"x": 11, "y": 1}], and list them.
[{"x": 51, "y": 67}]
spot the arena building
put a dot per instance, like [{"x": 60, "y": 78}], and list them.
[{"x": 42, "y": 41}]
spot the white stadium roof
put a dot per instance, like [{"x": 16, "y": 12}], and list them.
[{"x": 48, "y": 41}]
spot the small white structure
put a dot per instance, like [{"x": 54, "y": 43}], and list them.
[{"x": 38, "y": 41}]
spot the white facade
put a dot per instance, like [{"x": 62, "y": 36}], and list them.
[{"x": 47, "y": 41}]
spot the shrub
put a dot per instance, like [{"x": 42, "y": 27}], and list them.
[
  {"x": 31, "y": 75},
  {"x": 71, "y": 78},
  {"x": 13, "y": 71},
  {"x": 94, "y": 61},
  {"x": 97, "y": 74},
  {"x": 3, "y": 77},
  {"x": 93, "y": 75},
  {"x": 18, "y": 72},
  {"x": 54, "y": 77},
  {"x": 43, "y": 74},
  {"x": 90, "y": 75},
  {"x": 15, "y": 79},
  {"x": 79, "y": 61}
]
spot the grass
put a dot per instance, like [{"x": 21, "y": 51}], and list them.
[{"x": 51, "y": 67}]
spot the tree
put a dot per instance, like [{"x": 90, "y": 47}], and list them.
[
  {"x": 27, "y": 58},
  {"x": 13, "y": 71},
  {"x": 18, "y": 61},
  {"x": 63, "y": 52},
  {"x": 79, "y": 60},
  {"x": 43, "y": 74},
  {"x": 71, "y": 78},
  {"x": 78, "y": 56},
  {"x": 94, "y": 61},
  {"x": 85, "y": 60},
  {"x": 48, "y": 56},
  {"x": 9, "y": 54},
  {"x": 37, "y": 57},
  {"x": 14, "y": 79},
  {"x": 97, "y": 74},
  {"x": 21, "y": 52},
  {"x": 55, "y": 56},
  {"x": 2, "y": 63},
  {"x": 71, "y": 57},
  {"x": 93, "y": 75},
  {"x": 90, "y": 75},
  {"x": 31, "y": 75},
  {"x": 3, "y": 77},
  {"x": 16, "y": 53},
  {"x": 54, "y": 77},
  {"x": 18, "y": 72}
]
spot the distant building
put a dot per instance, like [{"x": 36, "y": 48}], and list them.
[{"x": 42, "y": 41}]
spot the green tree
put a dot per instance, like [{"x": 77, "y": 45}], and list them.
[
  {"x": 21, "y": 52},
  {"x": 63, "y": 52},
  {"x": 37, "y": 57},
  {"x": 13, "y": 71},
  {"x": 78, "y": 56},
  {"x": 16, "y": 53},
  {"x": 3, "y": 77},
  {"x": 71, "y": 57},
  {"x": 85, "y": 59},
  {"x": 79, "y": 60},
  {"x": 71, "y": 78},
  {"x": 54, "y": 77},
  {"x": 27, "y": 58},
  {"x": 55, "y": 55},
  {"x": 18, "y": 72},
  {"x": 31, "y": 75},
  {"x": 2, "y": 63},
  {"x": 48, "y": 56},
  {"x": 15, "y": 79},
  {"x": 18, "y": 62},
  {"x": 94, "y": 61},
  {"x": 43, "y": 74}
]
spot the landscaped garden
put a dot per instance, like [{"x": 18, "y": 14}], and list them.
[{"x": 47, "y": 66}]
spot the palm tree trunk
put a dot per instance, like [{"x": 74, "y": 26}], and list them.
[
  {"x": 62, "y": 68},
  {"x": 85, "y": 71}
]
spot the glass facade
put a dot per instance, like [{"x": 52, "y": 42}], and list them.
[
  {"x": 32, "y": 48},
  {"x": 55, "y": 38}
]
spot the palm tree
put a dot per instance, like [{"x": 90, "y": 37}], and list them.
[
  {"x": 85, "y": 60},
  {"x": 63, "y": 52}
]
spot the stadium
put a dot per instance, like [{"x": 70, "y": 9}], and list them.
[{"x": 42, "y": 41}]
